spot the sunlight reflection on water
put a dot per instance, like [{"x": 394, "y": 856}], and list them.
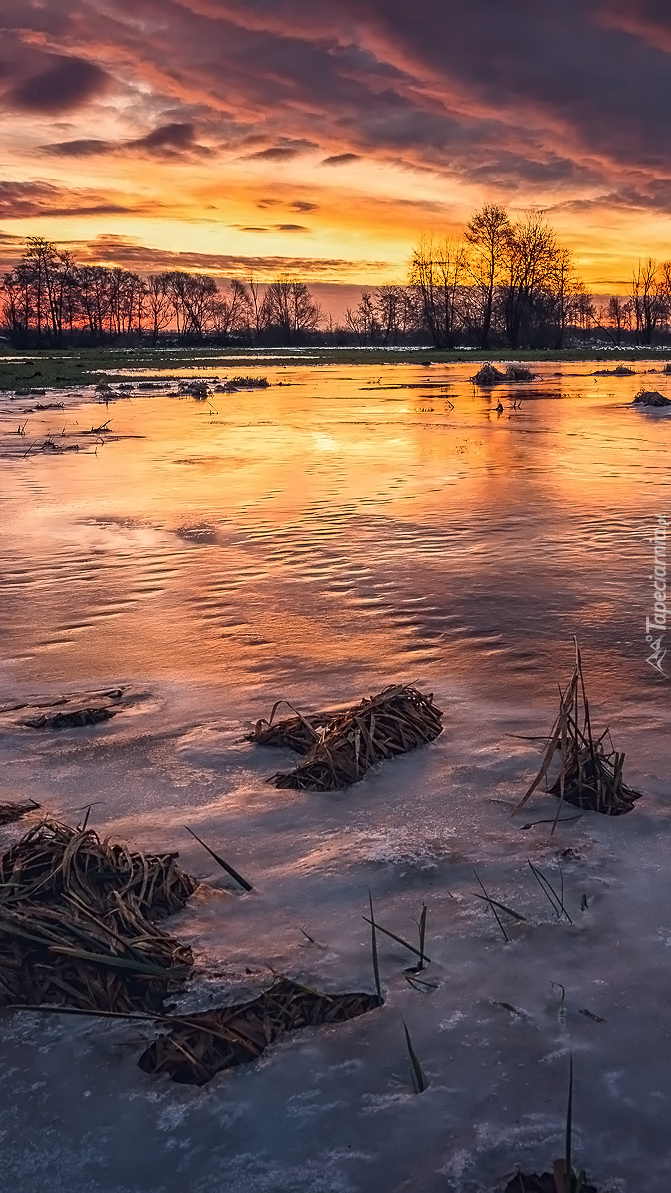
[{"x": 349, "y": 520}]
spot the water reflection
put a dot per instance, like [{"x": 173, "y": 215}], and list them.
[{"x": 366, "y": 521}]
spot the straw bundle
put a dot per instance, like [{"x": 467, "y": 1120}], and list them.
[
  {"x": 76, "y": 924},
  {"x": 345, "y": 745},
  {"x": 203, "y": 1044},
  {"x": 589, "y": 776}
]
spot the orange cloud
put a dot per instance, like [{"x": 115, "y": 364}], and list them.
[{"x": 176, "y": 122}]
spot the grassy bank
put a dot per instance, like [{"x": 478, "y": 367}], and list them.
[{"x": 51, "y": 368}]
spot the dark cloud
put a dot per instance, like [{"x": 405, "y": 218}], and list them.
[
  {"x": 128, "y": 252},
  {"x": 285, "y": 149},
  {"x": 32, "y": 200},
  {"x": 167, "y": 140},
  {"x": 173, "y": 136},
  {"x": 271, "y": 228},
  {"x": 171, "y": 140},
  {"x": 341, "y": 159},
  {"x": 82, "y": 148},
  {"x": 66, "y": 84},
  {"x": 276, "y": 153},
  {"x": 302, "y": 206},
  {"x": 570, "y": 100}
]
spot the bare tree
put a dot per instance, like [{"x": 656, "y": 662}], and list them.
[
  {"x": 438, "y": 271},
  {"x": 289, "y": 309},
  {"x": 159, "y": 306},
  {"x": 649, "y": 301},
  {"x": 232, "y": 310},
  {"x": 489, "y": 234},
  {"x": 531, "y": 260},
  {"x": 363, "y": 321}
]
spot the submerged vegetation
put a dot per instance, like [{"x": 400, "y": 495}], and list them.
[{"x": 199, "y": 1046}]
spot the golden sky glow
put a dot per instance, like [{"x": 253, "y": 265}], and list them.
[{"x": 268, "y": 136}]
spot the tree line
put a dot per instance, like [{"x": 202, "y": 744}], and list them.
[
  {"x": 504, "y": 284},
  {"x": 51, "y": 299},
  {"x": 509, "y": 284}
]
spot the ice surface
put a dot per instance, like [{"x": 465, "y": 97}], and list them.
[{"x": 315, "y": 542}]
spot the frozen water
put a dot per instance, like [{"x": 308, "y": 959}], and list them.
[{"x": 316, "y": 541}]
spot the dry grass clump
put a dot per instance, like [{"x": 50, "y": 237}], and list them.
[
  {"x": 197, "y": 389},
  {"x": 518, "y": 373},
  {"x": 245, "y": 382},
  {"x": 11, "y": 812},
  {"x": 589, "y": 775},
  {"x": 620, "y": 371},
  {"x": 201, "y": 1045},
  {"x": 549, "y": 1182},
  {"x": 344, "y": 746},
  {"x": 488, "y": 375},
  {"x": 297, "y": 733},
  {"x": 76, "y": 923},
  {"x": 650, "y": 397},
  {"x": 70, "y": 720}
]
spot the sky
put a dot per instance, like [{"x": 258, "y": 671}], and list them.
[{"x": 320, "y": 138}]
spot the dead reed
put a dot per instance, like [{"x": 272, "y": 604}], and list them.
[
  {"x": 650, "y": 397},
  {"x": 345, "y": 745},
  {"x": 589, "y": 775},
  {"x": 488, "y": 375},
  {"x": 11, "y": 812},
  {"x": 77, "y": 923},
  {"x": 517, "y": 372},
  {"x": 563, "y": 1178},
  {"x": 70, "y": 720},
  {"x": 419, "y": 1081},
  {"x": 201, "y": 1045}
]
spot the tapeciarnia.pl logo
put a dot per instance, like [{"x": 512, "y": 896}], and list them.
[{"x": 655, "y": 626}]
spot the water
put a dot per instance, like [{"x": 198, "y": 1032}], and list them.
[{"x": 351, "y": 527}]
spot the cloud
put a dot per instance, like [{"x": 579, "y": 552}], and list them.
[
  {"x": 33, "y": 200},
  {"x": 276, "y": 153},
  {"x": 131, "y": 254},
  {"x": 271, "y": 228},
  {"x": 174, "y": 138},
  {"x": 167, "y": 141},
  {"x": 341, "y": 159},
  {"x": 83, "y": 148},
  {"x": 68, "y": 83},
  {"x": 565, "y": 105}
]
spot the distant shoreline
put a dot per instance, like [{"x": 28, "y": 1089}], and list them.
[{"x": 52, "y": 368}]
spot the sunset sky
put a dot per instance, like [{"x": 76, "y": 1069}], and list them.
[{"x": 322, "y": 137}]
